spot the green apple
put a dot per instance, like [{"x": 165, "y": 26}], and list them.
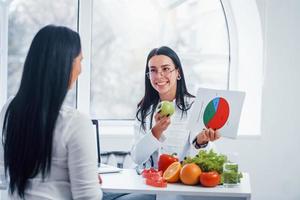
[{"x": 166, "y": 108}]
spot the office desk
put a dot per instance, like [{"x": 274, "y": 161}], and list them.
[{"x": 128, "y": 181}]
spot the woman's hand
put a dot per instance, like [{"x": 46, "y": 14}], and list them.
[
  {"x": 161, "y": 124},
  {"x": 99, "y": 179},
  {"x": 207, "y": 135}
]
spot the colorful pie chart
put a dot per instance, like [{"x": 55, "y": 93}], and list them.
[{"x": 216, "y": 113}]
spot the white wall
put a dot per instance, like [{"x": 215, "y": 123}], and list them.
[{"x": 273, "y": 160}]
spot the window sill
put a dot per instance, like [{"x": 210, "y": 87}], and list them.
[{"x": 119, "y": 137}]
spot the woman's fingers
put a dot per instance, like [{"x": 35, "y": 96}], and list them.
[
  {"x": 208, "y": 135},
  {"x": 217, "y": 134},
  {"x": 99, "y": 179},
  {"x": 157, "y": 117},
  {"x": 202, "y": 137},
  {"x": 165, "y": 122},
  {"x": 160, "y": 126},
  {"x": 213, "y": 134}
]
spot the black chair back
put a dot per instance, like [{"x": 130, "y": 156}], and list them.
[{"x": 96, "y": 124}]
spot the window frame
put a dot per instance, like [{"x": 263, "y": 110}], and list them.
[
  {"x": 85, "y": 10},
  {"x": 245, "y": 58},
  {"x": 3, "y": 50}
]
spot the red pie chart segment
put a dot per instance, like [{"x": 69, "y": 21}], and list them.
[{"x": 217, "y": 119}]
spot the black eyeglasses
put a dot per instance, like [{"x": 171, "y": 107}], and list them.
[{"x": 164, "y": 72}]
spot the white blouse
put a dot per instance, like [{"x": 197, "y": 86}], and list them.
[
  {"x": 178, "y": 138},
  {"x": 73, "y": 172}
]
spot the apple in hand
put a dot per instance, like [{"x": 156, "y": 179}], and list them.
[{"x": 166, "y": 108}]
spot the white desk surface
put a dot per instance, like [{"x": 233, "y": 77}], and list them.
[{"x": 127, "y": 181}]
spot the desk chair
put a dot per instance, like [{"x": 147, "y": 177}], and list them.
[
  {"x": 95, "y": 122},
  {"x": 120, "y": 155}
]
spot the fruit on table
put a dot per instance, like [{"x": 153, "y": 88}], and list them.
[
  {"x": 171, "y": 174},
  {"x": 154, "y": 178},
  {"x": 151, "y": 173},
  {"x": 210, "y": 179},
  {"x": 211, "y": 161},
  {"x": 166, "y": 108},
  {"x": 190, "y": 174},
  {"x": 165, "y": 160},
  {"x": 156, "y": 182}
]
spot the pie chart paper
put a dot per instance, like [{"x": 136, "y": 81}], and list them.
[
  {"x": 216, "y": 113},
  {"x": 217, "y": 109}
]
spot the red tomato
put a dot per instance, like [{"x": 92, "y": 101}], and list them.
[
  {"x": 156, "y": 182},
  {"x": 151, "y": 173},
  {"x": 165, "y": 160},
  {"x": 210, "y": 179}
]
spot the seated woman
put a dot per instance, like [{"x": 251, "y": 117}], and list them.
[
  {"x": 155, "y": 133},
  {"x": 48, "y": 149}
]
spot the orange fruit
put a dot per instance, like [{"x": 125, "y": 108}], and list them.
[
  {"x": 190, "y": 174},
  {"x": 172, "y": 172}
]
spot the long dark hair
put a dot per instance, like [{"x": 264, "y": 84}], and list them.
[
  {"x": 31, "y": 116},
  {"x": 151, "y": 96}
]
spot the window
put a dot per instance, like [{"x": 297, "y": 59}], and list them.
[
  {"x": 246, "y": 63},
  {"x": 219, "y": 43},
  {"x": 123, "y": 32},
  {"x": 25, "y": 18}
]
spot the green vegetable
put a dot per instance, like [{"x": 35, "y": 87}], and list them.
[
  {"x": 231, "y": 167},
  {"x": 212, "y": 161},
  {"x": 231, "y": 177},
  {"x": 208, "y": 161}
]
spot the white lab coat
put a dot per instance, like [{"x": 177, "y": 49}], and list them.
[{"x": 178, "y": 138}]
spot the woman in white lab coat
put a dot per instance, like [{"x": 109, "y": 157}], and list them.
[{"x": 156, "y": 134}]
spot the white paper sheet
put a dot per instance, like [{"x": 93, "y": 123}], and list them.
[{"x": 217, "y": 108}]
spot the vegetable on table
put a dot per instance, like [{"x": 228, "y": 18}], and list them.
[
  {"x": 165, "y": 160},
  {"x": 156, "y": 182},
  {"x": 210, "y": 179},
  {"x": 210, "y": 161}
]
